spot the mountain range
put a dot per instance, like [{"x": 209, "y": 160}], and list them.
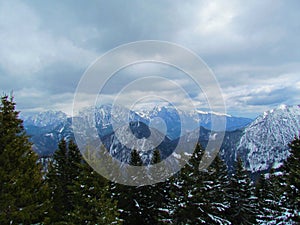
[{"x": 261, "y": 143}]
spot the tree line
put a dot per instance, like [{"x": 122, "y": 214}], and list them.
[{"x": 69, "y": 191}]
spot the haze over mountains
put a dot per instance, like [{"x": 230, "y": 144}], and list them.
[{"x": 262, "y": 143}]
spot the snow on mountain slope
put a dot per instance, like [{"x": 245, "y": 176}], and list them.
[
  {"x": 45, "y": 142},
  {"x": 261, "y": 145},
  {"x": 121, "y": 142},
  {"x": 47, "y": 128},
  {"x": 265, "y": 141},
  {"x": 45, "y": 119},
  {"x": 192, "y": 118},
  {"x": 106, "y": 115}
]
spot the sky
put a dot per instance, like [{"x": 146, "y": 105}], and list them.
[{"x": 252, "y": 47}]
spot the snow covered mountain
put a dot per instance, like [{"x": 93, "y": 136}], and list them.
[
  {"x": 264, "y": 142},
  {"x": 45, "y": 119},
  {"x": 261, "y": 145},
  {"x": 45, "y": 139},
  {"x": 120, "y": 143},
  {"x": 105, "y": 116},
  {"x": 193, "y": 119},
  {"x": 47, "y": 128}
]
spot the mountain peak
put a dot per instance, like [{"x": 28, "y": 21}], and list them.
[
  {"x": 265, "y": 141},
  {"x": 282, "y": 107},
  {"x": 46, "y": 118}
]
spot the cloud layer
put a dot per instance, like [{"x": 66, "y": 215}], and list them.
[{"x": 252, "y": 47}]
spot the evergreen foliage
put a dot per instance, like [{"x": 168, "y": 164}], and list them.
[
  {"x": 215, "y": 190},
  {"x": 186, "y": 186},
  {"x": 290, "y": 183},
  {"x": 268, "y": 193},
  {"x": 278, "y": 194},
  {"x": 23, "y": 194},
  {"x": 129, "y": 197},
  {"x": 78, "y": 194},
  {"x": 155, "y": 157},
  {"x": 62, "y": 172},
  {"x": 198, "y": 196},
  {"x": 242, "y": 201},
  {"x": 293, "y": 179},
  {"x": 154, "y": 196},
  {"x": 135, "y": 159},
  {"x": 91, "y": 199}
]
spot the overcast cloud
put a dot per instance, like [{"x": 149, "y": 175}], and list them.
[{"x": 251, "y": 46}]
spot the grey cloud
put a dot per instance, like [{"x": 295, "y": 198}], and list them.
[
  {"x": 46, "y": 46},
  {"x": 266, "y": 100},
  {"x": 273, "y": 98}
]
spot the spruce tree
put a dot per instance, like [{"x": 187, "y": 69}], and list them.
[
  {"x": 129, "y": 197},
  {"x": 63, "y": 170},
  {"x": 58, "y": 182},
  {"x": 215, "y": 186},
  {"x": 78, "y": 194},
  {"x": 242, "y": 200},
  {"x": 73, "y": 170},
  {"x": 268, "y": 194},
  {"x": 207, "y": 200},
  {"x": 186, "y": 191},
  {"x": 135, "y": 159},
  {"x": 91, "y": 199},
  {"x": 154, "y": 195},
  {"x": 189, "y": 204},
  {"x": 293, "y": 163},
  {"x": 155, "y": 157},
  {"x": 23, "y": 194},
  {"x": 291, "y": 181}
]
